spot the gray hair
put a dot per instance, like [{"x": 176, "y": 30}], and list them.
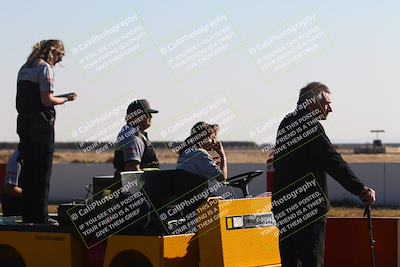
[{"x": 311, "y": 90}]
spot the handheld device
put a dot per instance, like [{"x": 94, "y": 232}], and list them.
[{"x": 66, "y": 95}]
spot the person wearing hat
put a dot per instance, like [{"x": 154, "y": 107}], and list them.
[
  {"x": 194, "y": 153},
  {"x": 134, "y": 151}
]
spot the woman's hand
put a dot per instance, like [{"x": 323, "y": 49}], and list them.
[
  {"x": 72, "y": 97},
  {"x": 49, "y": 100},
  {"x": 218, "y": 147}
]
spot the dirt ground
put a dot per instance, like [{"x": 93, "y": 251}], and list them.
[{"x": 233, "y": 156}]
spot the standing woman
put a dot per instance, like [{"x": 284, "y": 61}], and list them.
[{"x": 35, "y": 126}]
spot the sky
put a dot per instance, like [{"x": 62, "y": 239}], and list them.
[{"x": 240, "y": 64}]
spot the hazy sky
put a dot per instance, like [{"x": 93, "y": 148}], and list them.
[{"x": 237, "y": 63}]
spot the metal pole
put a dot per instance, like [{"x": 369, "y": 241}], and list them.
[{"x": 367, "y": 212}]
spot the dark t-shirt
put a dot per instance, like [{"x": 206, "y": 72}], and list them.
[{"x": 35, "y": 122}]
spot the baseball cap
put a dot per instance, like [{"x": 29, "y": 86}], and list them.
[{"x": 140, "y": 104}]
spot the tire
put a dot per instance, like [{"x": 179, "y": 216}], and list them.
[{"x": 12, "y": 263}]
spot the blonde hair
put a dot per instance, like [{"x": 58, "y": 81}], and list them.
[{"x": 43, "y": 50}]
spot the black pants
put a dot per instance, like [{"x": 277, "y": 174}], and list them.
[
  {"x": 12, "y": 206},
  {"x": 305, "y": 248},
  {"x": 36, "y": 146}
]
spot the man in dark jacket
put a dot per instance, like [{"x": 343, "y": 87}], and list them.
[{"x": 303, "y": 152}]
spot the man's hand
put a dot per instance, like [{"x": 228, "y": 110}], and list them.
[{"x": 368, "y": 196}]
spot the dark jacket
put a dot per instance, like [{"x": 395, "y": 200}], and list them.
[{"x": 312, "y": 152}]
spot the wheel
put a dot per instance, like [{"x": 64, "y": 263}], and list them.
[
  {"x": 130, "y": 258},
  {"x": 10, "y": 257},
  {"x": 242, "y": 181},
  {"x": 12, "y": 263},
  {"x": 138, "y": 264}
]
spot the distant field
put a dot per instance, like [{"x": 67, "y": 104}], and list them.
[
  {"x": 334, "y": 212},
  {"x": 233, "y": 156},
  {"x": 357, "y": 212},
  {"x": 241, "y": 156}
]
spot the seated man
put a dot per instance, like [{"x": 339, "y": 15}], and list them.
[
  {"x": 134, "y": 151},
  {"x": 12, "y": 194},
  {"x": 194, "y": 156}
]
